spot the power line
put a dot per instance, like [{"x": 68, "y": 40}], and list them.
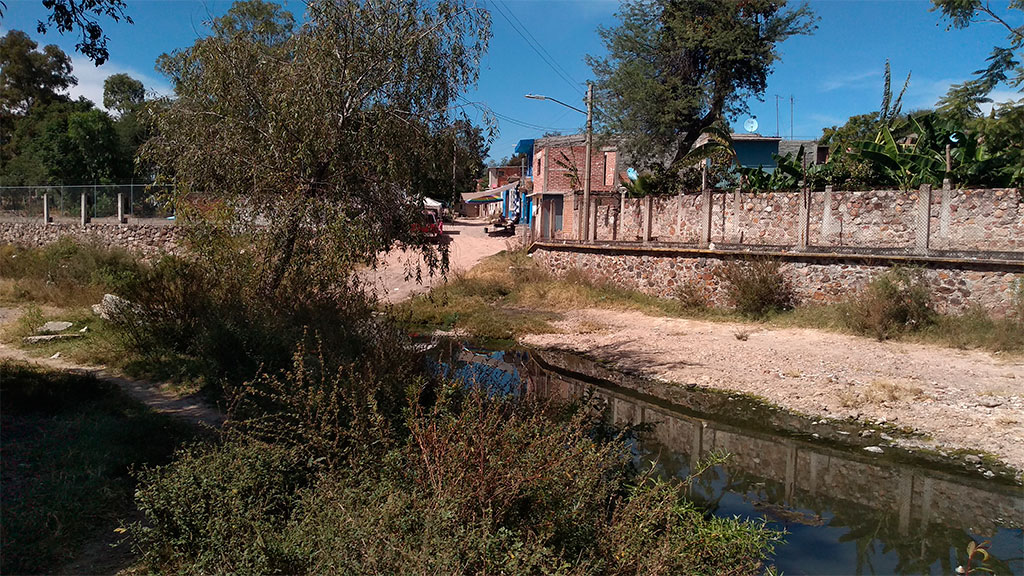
[
  {"x": 535, "y": 46},
  {"x": 537, "y": 43},
  {"x": 521, "y": 123}
]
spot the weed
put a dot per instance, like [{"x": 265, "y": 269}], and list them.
[
  {"x": 690, "y": 295},
  {"x": 742, "y": 334},
  {"x": 895, "y": 302},
  {"x": 756, "y": 288}
]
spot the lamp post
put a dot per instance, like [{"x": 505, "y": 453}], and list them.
[{"x": 585, "y": 228}]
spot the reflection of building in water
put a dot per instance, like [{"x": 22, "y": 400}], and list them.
[{"x": 808, "y": 471}]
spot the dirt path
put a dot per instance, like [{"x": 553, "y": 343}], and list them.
[
  {"x": 191, "y": 409},
  {"x": 467, "y": 244},
  {"x": 962, "y": 399}
]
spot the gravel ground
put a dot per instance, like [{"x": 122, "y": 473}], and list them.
[
  {"x": 967, "y": 400},
  {"x": 394, "y": 280}
]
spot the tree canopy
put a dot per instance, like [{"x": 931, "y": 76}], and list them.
[
  {"x": 1004, "y": 66},
  {"x": 677, "y": 67},
  {"x": 320, "y": 132},
  {"x": 122, "y": 93},
  {"x": 83, "y": 16}
]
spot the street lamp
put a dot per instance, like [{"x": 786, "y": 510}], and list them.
[{"x": 585, "y": 228}]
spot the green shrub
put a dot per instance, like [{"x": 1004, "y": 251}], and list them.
[
  {"x": 895, "y": 302},
  {"x": 460, "y": 482},
  {"x": 756, "y": 288},
  {"x": 221, "y": 509}
]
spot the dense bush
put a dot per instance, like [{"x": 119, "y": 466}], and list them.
[
  {"x": 756, "y": 288},
  {"x": 895, "y": 302},
  {"x": 460, "y": 483}
]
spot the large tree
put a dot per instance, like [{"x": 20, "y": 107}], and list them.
[
  {"x": 29, "y": 76},
  {"x": 123, "y": 94},
  {"x": 677, "y": 67},
  {"x": 313, "y": 138}
]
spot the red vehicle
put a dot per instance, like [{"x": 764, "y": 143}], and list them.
[{"x": 429, "y": 225}]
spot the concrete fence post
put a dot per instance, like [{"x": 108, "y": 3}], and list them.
[
  {"x": 804, "y": 220},
  {"x": 120, "y": 209},
  {"x": 924, "y": 218},
  {"x": 622, "y": 213},
  {"x": 593, "y": 219},
  {"x": 46, "y": 209},
  {"x": 85, "y": 208},
  {"x": 705, "y": 218},
  {"x": 944, "y": 215},
  {"x": 648, "y": 215}
]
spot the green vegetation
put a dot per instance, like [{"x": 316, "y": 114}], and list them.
[
  {"x": 50, "y": 139},
  {"x": 508, "y": 295},
  {"x": 69, "y": 445},
  {"x": 457, "y": 482},
  {"x": 65, "y": 273},
  {"x": 755, "y": 288},
  {"x": 658, "y": 104}
]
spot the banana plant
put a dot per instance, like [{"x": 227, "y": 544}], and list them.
[{"x": 908, "y": 163}]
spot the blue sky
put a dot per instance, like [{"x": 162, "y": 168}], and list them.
[{"x": 833, "y": 74}]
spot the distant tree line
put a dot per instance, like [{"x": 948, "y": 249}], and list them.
[{"x": 48, "y": 138}]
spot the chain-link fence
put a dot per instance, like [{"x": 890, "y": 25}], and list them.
[
  {"x": 141, "y": 201},
  {"x": 987, "y": 223}
]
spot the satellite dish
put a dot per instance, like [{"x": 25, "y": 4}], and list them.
[
  {"x": 954, "y": 137},
  {"x": 750, "y": 125},
  {"x": 632, "y": 174}
]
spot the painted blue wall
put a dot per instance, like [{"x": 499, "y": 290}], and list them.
[{"x": 752, "y": 154}]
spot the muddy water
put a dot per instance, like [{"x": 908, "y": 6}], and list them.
[{"x": 845, "y": 510}]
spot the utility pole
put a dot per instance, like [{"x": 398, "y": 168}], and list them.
[{"x": 586, "y": 175}]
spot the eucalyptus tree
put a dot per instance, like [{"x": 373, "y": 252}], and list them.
[
  {"x": 309, "y": 138},
  {"x": 676, "y": 68}
]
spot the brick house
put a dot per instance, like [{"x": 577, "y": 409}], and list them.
[{"x": 558, "y": 165}]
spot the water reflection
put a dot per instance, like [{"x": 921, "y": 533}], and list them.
[{"x": 845, "y": 511}]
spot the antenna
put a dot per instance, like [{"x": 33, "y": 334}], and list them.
[
  {"x": 751, "y": 124},
  {"x": 792, "y": 108}
]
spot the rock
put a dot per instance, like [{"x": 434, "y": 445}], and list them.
[
  {"x": 885, "y": 437},
  {"x": 53, "y": 326},
  {"x": 49, "y": 338},
  {"x": 990, "y": 402},
  {"x": 84, "y": 330},
  {"x": 874, "y": 449},
  {"x": 113, "y": 307},
  {"x": 972, "y": 459},
  {"x": 989, "y": 474},
  {"x": 55, "y": 356}
]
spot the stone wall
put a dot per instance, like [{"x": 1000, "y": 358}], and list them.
[
  {"x": 955, "y": 286},
  {"x": 147, "y": 240},
  {"x": 915, "y": 221}
]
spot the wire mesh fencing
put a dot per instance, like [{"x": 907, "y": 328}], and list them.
[
  {"x": 140, "y": 201},
  {"x": 945, "y": 222}
]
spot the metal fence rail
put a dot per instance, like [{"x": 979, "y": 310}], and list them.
[{"x": 65, "y": 202}]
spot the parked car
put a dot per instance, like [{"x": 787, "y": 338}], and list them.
[{"x": 429, "y": 225}]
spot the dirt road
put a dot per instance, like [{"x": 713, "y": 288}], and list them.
[
  {"x": 395, "y": 279},
  {"x": 966, "y": 400}
]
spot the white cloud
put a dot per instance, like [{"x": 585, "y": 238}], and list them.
[
  {"x": 925, "y": 93},
  {"x": 91, "y": 78},
  {"x": 835, "y": 83}
]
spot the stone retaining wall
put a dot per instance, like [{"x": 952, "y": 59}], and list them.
[
  {"x": 147, "y": 240},
  {"x": 955, "y": 286}
]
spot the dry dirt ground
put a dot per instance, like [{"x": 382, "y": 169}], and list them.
[
  {"x": 395, "y": 279},
  {"x": 962, "y": 399}
]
